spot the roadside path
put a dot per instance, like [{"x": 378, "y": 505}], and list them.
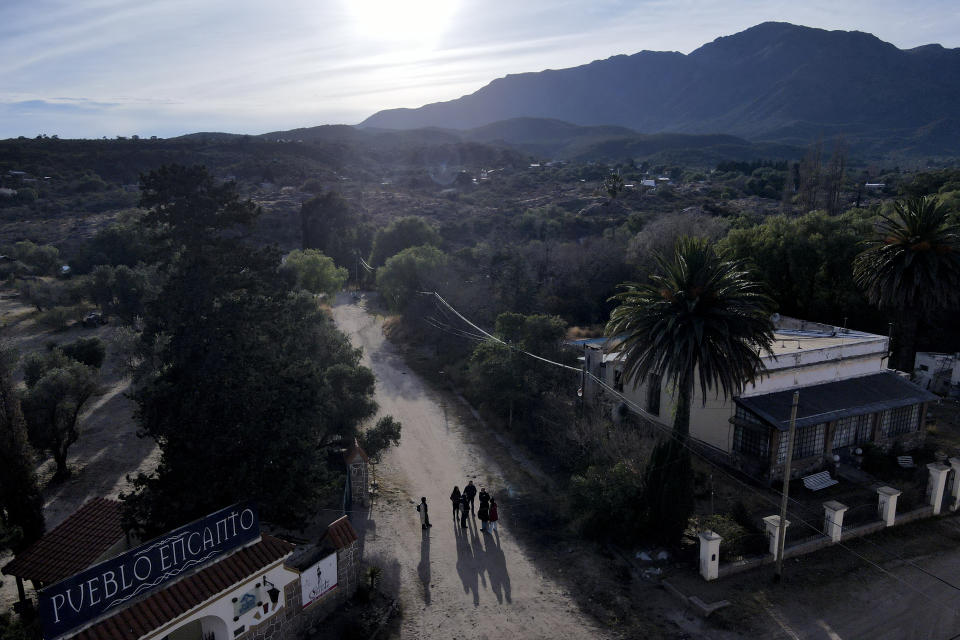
[{"x": 452, "y": 582}]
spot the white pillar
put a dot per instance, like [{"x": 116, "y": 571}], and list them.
[
  {"x": 955, "y": 484},
  {"x": 938, "y": 481},
  {"x": 888, "y": 504},
  {"x": 772, "y": 525},
  {"x": 833, "y": 519},
  {"x": 709, "y": 555}
]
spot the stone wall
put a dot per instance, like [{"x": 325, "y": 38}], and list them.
[{"x": 295, "y": 621}]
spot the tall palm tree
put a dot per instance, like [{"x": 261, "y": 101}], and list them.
[
  {"x": 700, "y": 319},
  {"x": 911, "y": 267}
]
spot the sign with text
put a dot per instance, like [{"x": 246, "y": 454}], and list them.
[
  {"x": 318, "y": 580},
  {"x": 94, "y": 591}
]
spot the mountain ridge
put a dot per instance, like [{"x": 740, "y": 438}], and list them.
[{"x": 774, "y": 82}]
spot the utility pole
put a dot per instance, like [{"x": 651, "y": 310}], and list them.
[{"x": 782, "y": 531}]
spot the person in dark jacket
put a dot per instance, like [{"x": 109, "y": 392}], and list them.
[
  {"x": 424, "y": 515},
  {"x": 464, "y": 509},
  {"x": 471, "y": 492},
  {"x": 494, "y": 515},
  {"x": 455, "y": 499},
  {"x": 484, "y": 511}
]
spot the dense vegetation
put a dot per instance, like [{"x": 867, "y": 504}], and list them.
[{"x": 531, "y": 250}]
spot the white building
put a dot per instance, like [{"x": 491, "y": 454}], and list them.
[
  {"x": 847, "y": 398},
  {"x": 938, "y": 372}
]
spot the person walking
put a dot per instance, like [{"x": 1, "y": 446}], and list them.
[
  {"x": 471, "y": 492},
  {"x": 484, "y": 513},
  {"x": 464, "y": 509},
  {"x": 494, "y": 516},
  {"x": 455, "y": 499},
  {"x": 424, "y": 516}
]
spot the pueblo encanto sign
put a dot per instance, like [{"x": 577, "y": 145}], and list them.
[{"x": 93, "y": 592}]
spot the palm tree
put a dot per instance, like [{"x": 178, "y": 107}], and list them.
[
  {"x": 700, "y": 319},
  {"x": 911, "y": 267}
]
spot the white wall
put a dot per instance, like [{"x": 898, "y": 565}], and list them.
[{"x": 222, "y": 608}]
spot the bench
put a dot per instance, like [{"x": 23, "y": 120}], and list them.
[
  {"x": 906, "y": 462},
  {"x": 818, "y": 481}
]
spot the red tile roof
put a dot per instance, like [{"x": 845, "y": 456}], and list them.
[
  {"x": 161, "y": 607},
  {"x": 341, "y": 533},
  {"x": 354, "y": 451},
  {"x": 72, "y": 546}
]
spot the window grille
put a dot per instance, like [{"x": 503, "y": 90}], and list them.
[
  {"x": 852, "y": 430},
  {"x": 808, "y": 441},
  {"x": 903, "y": 420},
  {"x": 751, "y": 442}
]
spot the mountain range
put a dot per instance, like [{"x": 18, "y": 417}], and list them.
[{"x": 773, "y": 83}]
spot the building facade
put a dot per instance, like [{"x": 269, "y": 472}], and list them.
[{"x": 848, "y": 399}]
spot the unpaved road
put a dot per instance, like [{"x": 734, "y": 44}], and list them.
[{"x": 452, "y": 582}]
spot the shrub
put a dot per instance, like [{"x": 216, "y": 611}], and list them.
[{"x": 88, "y": 351}]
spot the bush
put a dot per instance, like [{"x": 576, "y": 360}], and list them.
[
  {"x": 738, "y": 541},
  {"x": 607, "y": 501},
  {"x": 88, "y": 351},
  {"x": 60, "y": 318}
]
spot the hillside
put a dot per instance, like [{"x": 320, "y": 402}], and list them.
[{"x": 773, "y": 82}]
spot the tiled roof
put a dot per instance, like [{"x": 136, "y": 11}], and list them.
[
  {"x": 72, "y": 546},
  {"x": 341, "y": 533},
  {"x": 354, "y": 451},
  {"x": 834, "y": 400},
  {"x": 161, "y": 607}
]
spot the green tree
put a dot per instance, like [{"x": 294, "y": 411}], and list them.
[
  {"x": 911, "y": 267},
  {"x": 88, "y": 351},
  {"x": 402, "y": 233},
  {"x": 512, "y": 383},
  {"x": 21, "y": 505},
  {"x": 376, "y": 440},
  {"x": 315, "y": 272},
  {"x": 329, "y": 224},
  {"x": 408, "y": 272},
  {"x": 700, "y": 319},
  {"x": 45, "y": 259},
  {"x": 254, "y": 392},
  {"x": 613, "y": 185},
  {"x": 52, "y": 404}
]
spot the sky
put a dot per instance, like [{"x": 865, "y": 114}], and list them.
[{"x": 92, "y": 68}]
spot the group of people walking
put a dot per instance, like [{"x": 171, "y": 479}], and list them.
[{"x": 463, "y": 506}]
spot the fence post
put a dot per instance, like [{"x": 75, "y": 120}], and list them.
[
  {"x": 937, "y": 483},
  {"x": 772, "y": 525},
  {"x": 887, "y": 506},
  {"x": 709, "y": 555},
  {"x": 833, "y": 519}
]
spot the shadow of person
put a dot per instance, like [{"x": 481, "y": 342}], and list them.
[
  {"x": 467, "y": 565},
  {"x": 423, "y": 569},
  {"x": 496, "y": 566}
]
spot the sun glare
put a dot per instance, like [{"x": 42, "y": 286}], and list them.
[{"x": 417, "y": 23}]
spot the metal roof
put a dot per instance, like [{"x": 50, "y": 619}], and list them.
[
  {"x": 71, "y": 546},
  {"x": 834, "y": 400}
]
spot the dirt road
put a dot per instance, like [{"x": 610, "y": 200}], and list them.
[{"x": 452, "y": 582}]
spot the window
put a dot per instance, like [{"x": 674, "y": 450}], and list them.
[
  {"x": 653, "y": 395},
  {"x": 808, "y": 441},
  {"x": 751, "y": 441},
  {"x": 617, "y": 380},
  {"x": 902, "y": 420},
  {"x": 852, "y": 430}
]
